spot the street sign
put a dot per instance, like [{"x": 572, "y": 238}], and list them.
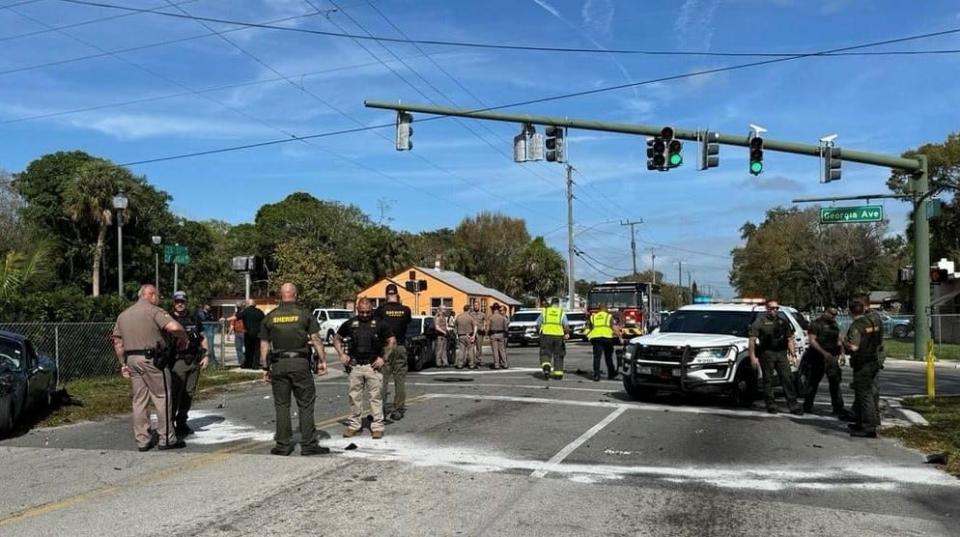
[
  {"x": 176, "y": 254},
  {"x": 933, "y": 208},
  {"x": 851, "y": 215}
]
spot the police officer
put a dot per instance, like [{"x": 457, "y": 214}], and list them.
[
  {"x": 368, "y": 338},
  {"x": 601, "y": 331},
  {"x": 440, "y": 347},
  {"x": 554, "y": 331},
  {"x": 497, "y": 331},
  {"x": 825, "y": 355},
  {"x": 186, "y": 369},
  {"x": 481, "y": 320},
  {"x": 466, "y": 327},
  {"x": 772, "y": 336},
  {"x": 865, "y": 342},
  {"x": 286, "y": 335},
  {"x": 138, "y": 341},
  {"x": 397, "y": 317}
]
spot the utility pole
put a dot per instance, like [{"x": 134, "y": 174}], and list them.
[
  {"x": 680, "y": 281},
  {"x": 920, "y": 189},
  {"x": 633, "y": 242},
  {"x": 653, "y": 281},
  {"x": 571, "y": 282}
]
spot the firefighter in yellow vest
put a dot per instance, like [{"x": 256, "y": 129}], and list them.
[
  {"x": 554, "y": 331},
  {"x": 602, "y": 329}
]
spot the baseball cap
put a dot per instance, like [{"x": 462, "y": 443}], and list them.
[
  {"x": 179, "y": 295},
  {"x": 392, "y": 289}
]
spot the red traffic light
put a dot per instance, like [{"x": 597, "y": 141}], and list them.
[
  {"x": 666, "y": 133},
  {"x": 938, "y": 275}
]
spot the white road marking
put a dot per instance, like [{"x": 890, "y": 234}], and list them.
[
  {"x": 652, "y": 407},
  {"x": 524, "y": 386},
  {"x": 555, "y": 461},
  {"x": 479, "y": 371},
  {"x": 844, "y": 473}
]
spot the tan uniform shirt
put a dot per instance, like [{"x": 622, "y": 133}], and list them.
[
  {"x": 141, "y": 326},
  {"x": 465, "y": 324},
  {"x": 479, "y": 318},
  {"x": 498, "y": 323}
]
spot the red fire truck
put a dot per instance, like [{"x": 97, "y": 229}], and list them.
[{"x": 630, "y": 302}]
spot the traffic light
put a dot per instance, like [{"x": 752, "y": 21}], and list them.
[
  {"x": 404, "y": 131},
  {"x": 831, "y": 163},
  {"x": 938, "y": 275},
  {"x": 555, "y": 144},
  {"x": 756, "y": 155},
  {"x": 673, "y": 148},
  {"x": 709, "y": 150},
  {"x": 656, "y": 154}
]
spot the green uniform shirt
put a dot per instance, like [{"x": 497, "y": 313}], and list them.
[
  {"x": 288, "y": 328},
  {"x": 772, "y": 333},
  {"x": 866, "y": 333},
  {"x": 828, "y": 334}
]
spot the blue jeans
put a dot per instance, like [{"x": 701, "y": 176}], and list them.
[
  {"x": 211, "y": 344},
  {"x": 238, "y": 345}
]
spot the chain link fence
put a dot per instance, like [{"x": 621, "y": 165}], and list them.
[{"x": 83, "y": 350}]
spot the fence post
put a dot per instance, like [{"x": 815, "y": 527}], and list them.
[
  {"x": 223, "y": 344},
  {"x": 56, "y": 349}
]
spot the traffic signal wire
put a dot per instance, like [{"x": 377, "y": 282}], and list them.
[
  {"x": 527, "y": 48},
  {"x": 691, "y": 74}
]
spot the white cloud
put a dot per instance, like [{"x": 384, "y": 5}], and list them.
[
  {"x": 694, "y": 25},
  {"x": 598, "y": 16},
  {"x": 139, "y": 126},
  {"x": 550, "y": 9}
]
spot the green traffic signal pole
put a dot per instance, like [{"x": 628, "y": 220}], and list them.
[{"x": 919, "y": 187}]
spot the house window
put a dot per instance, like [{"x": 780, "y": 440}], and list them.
[{"x": 436, "y": 303}]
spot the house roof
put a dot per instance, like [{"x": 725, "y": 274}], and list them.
[{"x": 471, "y": 287}]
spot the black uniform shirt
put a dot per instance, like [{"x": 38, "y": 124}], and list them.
[
  {"x": 252, "y": 317},
  {"x": 397, "y": 316},
  {"x": 828, "y": 334},
  {"x": 365, "y": 351}
]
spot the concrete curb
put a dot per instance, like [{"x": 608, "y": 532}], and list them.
[{"x": 896, "y": 408}]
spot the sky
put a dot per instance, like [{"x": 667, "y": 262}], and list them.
[{"x": 131, "y": 87}]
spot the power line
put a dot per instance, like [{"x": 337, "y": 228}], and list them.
[
  {"x": 75, "y": 24},
  {"x": 578, "y": 94},
  {"x": 528, "y": 48}
]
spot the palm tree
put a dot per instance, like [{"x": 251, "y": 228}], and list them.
[
  {"x": 88, "y": 199},
  {"x": 18, "y": 268}
]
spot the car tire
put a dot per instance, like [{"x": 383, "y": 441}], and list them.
[
  {"x": 329, "y": 340},
  {"x": 419, "y": 360},
  {"x": 523, "y": 343},
  {"x": 745, "y": 385},
  {"x": 899, "y": 331},
  {"x": 6, "y": 417},
  {"x": 636, "y": 392}
]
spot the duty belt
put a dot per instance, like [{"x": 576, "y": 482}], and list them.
[
  {"x": 277, "y": 356},
  {"x": 494, "y": 332}
]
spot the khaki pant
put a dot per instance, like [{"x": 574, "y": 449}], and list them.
[
  {"x": 363, "y": 378},
  {"x": 150, "y": 387},
  {"x": 478, "y": 353},
  {"x": 498, "y": 344},
  {"x": 395, "y": 370},
  {"x": 465, "y": 352},
  {"x": 440, "y": 350}
]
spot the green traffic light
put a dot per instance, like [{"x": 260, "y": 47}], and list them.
[
  {"x": 676, "y": 159},
  {"x": 756, "y": 167}
]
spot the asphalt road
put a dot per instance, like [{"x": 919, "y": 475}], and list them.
[{"x": 487, "y": 453}]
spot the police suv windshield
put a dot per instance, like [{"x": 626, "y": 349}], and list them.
[
  {"x": 526, "y": 317},
  {"x": 338, "y": 314},
  {"x": 734, "y": 323},
  {"x": 576, "y": 316}
]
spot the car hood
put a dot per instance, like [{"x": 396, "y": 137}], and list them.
[{"x": 676, "y": 339}]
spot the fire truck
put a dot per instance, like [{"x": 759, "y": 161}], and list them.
[{"x": 635, "y": 304}]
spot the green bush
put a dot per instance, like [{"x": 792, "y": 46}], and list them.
[{"x": 67, "y": 304}]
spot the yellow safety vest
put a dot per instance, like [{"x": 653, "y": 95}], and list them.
[
  {"x": 601, "y": 325},
  {"x": 552, "y": 322}
]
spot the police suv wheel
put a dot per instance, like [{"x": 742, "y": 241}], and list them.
[
  {"x": 636, "y": 392},
  {"x": 329, "y": 337},
  {"x": 744, "y": 389}
]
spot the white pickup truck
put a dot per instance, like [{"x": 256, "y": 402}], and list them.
[
  {"x": 330, "y": 320},
  {"x": 702, "y": 347}
]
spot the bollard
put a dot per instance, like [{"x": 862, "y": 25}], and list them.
[{"x": 931, "y": 371}]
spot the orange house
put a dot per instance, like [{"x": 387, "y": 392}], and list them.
[{"x": 446, "y": 288}]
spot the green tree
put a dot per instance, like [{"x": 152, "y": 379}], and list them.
[
  {"x": 313, "y": 269},
  {"x": 943, "y": 165},
  {"x": 493, "y": 241},
  {"x": 11, "y": 203},
  {"x": 792, "y": 258},
  {"x": 19, "y": 269},
  {"x": 538, "y": 272}
]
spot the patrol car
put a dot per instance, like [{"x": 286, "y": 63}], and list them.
[
  {"x": 702, "y": 347},
  {"x": 330, "y": 320},
  {"x": 522, "y": 328}
]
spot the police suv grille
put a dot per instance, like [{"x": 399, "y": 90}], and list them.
[{"x": 660, "y": 354}]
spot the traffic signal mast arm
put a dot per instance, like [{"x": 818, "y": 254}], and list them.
[{"x": 742, "y": 140}]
